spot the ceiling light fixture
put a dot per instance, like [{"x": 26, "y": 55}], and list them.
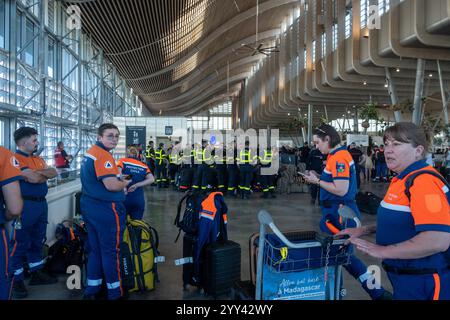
[{"x": 397, "y": 70}]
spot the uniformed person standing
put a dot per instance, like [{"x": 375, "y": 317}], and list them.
[
  {"x": 232, "y": 170},
  {"x": 267, "y": 181},
  {"x": 150, "y": 156},
  {"x": 11, "y": 206},
  {"x": 160, "y": 166},
  {"x": 187, "y": 170},
  {"x": 338, "y": 187},
  {"x": 220, "y": 159},
  {"x": 245, "y": 161},
  {"x": 174, "y": 164},
  {"x": 413, "y": 220},
  {"x": 29, "y": 238},
  {"x": 141, "y": 176},
  {"x": 104, "y": 213}
]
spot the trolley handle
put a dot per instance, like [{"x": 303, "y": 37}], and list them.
[{"x": 266, "y": 219}]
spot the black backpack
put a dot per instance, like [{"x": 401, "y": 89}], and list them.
[
  {"x": 189, "y": 221},
  {"x": 68, "y": 249}
]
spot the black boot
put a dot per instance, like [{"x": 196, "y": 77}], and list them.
[
  {"x": 265, "y": 195},
  {"x": 40, "y": 277},
  {"x": 19, "y": 291}
]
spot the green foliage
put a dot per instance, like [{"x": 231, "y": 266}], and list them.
[{"x": 369, "y": 111}]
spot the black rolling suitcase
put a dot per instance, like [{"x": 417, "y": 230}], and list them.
[
  {"x": 188, "y": 251},
  {"x": 221, "y": 267}
]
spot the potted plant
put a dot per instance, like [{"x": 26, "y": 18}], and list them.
[{"x": 368, "y": 112}]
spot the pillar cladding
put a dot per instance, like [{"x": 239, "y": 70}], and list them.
[{"x": 418, "y": 92}]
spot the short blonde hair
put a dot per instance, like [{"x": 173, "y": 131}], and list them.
[{"x": 132, "y": 151}]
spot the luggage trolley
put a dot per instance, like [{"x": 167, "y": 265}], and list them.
[{"x": 300, "y": 265}]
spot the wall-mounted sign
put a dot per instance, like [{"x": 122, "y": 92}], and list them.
[
  {"x": 169, "y": 130},
  {"x": 135, "y": 136}
]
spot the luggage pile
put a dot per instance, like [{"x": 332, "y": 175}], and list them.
[{"x": 210, "y": 261}]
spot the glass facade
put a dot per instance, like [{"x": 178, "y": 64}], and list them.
[{"x": 81, "y": 88}]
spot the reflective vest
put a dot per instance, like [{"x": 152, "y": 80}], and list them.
[
  {"x": 149, "y": 153},
  {"x": 173, "y": 158},
  {"x": 245, "y": 156},
  {"x": 267, "y": 158},
  {"x": 60, "y": 161},
  {"x": 220, "y": 158},
  {"x": 202, "y": 154},
  {"x": 160, "y": 156}
]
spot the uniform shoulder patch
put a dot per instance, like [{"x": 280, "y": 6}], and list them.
[
  {"x": 15, "y": 162},
  {"x": 108, "y": 165},
  {"x": 340, "y": 167}
]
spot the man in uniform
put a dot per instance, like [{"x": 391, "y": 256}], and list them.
[
  {"x": 267, "y": 181},
  {"x": 187, "y": 168},
  {"x": 160, "y": 166},
  {"x": 103, "y": 210},
  {"x": 174, "y": 163},
  {"x": 220, "y": 159},
  {"x": 150, "y": 156},
  {"x": 11, "y": 206},
  {"x": 29, "y": 233},
  {"x": 245, "y": 161},
  {"x": 232, "y": 170}
]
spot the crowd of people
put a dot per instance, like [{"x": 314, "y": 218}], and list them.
[
  {"x": 233, "y": 172},
  {"x": 413, "y": 222}
]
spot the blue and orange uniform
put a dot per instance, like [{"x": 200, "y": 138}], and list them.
[
  {"x": 104, "y": 214},
  {"x": 28, "y": 241},
  {"x": 400, "y": 219},
  {"x": 134, "y": 201},
  {"x": 212, "y": 225},
  {"x": 340, "y": 166},
  {"x": 9, "y": 172}
]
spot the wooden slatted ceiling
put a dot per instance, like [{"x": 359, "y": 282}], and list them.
[{"x": 142, "y": 37}]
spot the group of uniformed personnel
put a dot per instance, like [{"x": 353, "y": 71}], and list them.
[{"x": 207, "y": 166}]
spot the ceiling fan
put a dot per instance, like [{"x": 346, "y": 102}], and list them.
[{"x": 259, "y": 49}]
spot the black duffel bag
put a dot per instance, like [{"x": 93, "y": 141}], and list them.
[{"x": 368, "y": 202}]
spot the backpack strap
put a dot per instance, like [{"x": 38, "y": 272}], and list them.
[
  {"x": 180, "y": 204},
  {"x": 410, "y": 180}
]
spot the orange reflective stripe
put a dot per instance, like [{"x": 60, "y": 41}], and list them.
[
  {"x": 15, "y": 244},
  {"x": 72, "y": 235},
  {"x": 117, "y": 246},
  {"x": 331, "y": 227},
  {"x": 437, "y": 286},
  {"x": 340, "y": 219},
  {"x": 225, "y": 218}
]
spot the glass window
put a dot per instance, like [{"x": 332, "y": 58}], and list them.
[
  {"x": 364, "y": 9},
  {"x": 334, "y": 31},
  {"x": 29, "y": 50},
  {"x": 314, "y": 51},
  {"x": 51, "y": 57},
  {"x": 2, "y": 24},
  {"x": 348, "y": 24},
  {"x": 324, "y": 44}
]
